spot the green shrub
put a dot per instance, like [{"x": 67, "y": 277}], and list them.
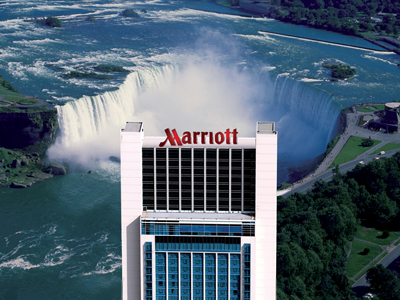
[
  {"x": 75, "y": 74},
  {"x": 7, "y": 85},
  {"x": 367, "y": 142},
  {"x": 50, "y": 21},
  {"x": 110, "y": 68},
  {"x": 29, "y": 101},
  {"x": 340, "y": 71},
  {"x": 384, "y": 235},
  {"x": 365, "y": 251}
]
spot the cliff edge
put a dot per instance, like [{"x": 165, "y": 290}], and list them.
[{"x": 28, "y": 127}]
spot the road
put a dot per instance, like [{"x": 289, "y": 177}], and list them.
[{"x": 327, "y": 174}]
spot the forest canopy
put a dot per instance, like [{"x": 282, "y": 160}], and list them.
[
  {"x": 314, "y": 228},
  {"x": 346, "y": 16}
]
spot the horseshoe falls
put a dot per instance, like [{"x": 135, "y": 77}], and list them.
[{"x": 189, "y": 98}]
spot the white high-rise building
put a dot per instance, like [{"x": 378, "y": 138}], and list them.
[{"x": 198, "y": 214}]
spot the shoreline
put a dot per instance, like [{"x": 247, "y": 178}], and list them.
[
  {"x": 323, "y": 42},
  {"x": 255, "y": 14}
]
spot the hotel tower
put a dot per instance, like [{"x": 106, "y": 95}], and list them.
[{"x": 198, "y": 214}]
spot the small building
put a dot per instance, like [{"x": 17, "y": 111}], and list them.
[
  {"x": 392, "y": 113},
  {"x": 389, "y": 120}
]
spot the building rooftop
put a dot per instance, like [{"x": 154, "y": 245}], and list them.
[
  {"x": 391, "y": 105},
  {"x": 133, "y": 127},
  {"x": 266, "y": 127}
]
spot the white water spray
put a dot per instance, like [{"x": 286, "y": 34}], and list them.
[{"x": 198, "y": 96}]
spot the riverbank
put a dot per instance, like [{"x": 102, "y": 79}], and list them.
[
  {"x": 270, "y": 10},
  {"x": 324, "y": 42}
]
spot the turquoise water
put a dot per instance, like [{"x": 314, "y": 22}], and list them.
[{"x": 192, "y": 67}]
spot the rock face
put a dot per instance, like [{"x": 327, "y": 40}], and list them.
[
  {"x": 33, "y": 131},
  {"x": 16, "y": 185},
  {"x": 56, "y": 169},
  {"x": 16, "y": 163},
  {"x": 29, "y": 132}
]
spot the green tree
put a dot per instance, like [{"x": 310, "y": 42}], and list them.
[
  {"x": 6, "y": 84},
  {"x": 51, "y": 21},
  {"x": 384, "y": 283},
  {"x": 130, "y": 13},
  {"x": 339, "y": 223},
  {"x": 367, "y": 142}
]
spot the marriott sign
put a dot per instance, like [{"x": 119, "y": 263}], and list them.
[{"x": 199, "y": 137}]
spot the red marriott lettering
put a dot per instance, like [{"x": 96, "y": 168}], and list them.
[{"x": 199, "y": 137}]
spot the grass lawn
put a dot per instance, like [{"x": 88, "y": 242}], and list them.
[
  {"x": 357, "y": 261},
  {"x": 364, "y": 109},
  {"x": 351, "y": 150},
  {"x": 371, "y": 108},
  {"x": 387, "y": 147},
  {"x": 29, "y": 101},
  {"x": 284, "y": 185},
  {"x": 4, "y": 91},
  {"x": 372, "y": 235},
  {"x": 379, "y": 106},
  {"x": 371, "y": 36},
  {"x": 14, "y": 98}
]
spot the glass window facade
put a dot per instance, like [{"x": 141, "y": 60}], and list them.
[
  {"x": 200, "y": 244},
  {"x": 148, "y": 271},
  {"x": 150, "y": 227},
  {"x": 173, "y": 279},
  {"x": 210, "y": 277},
  {"x": 205, "y": 276},
  {"x": 234, "y": 277},
  {"x": 222, "y": 276},
  {"x": 193, "y": 179},
  {"x": 148, "y": 178},
  {"x": 198, "y": 276},
  {"x": 246, "y": 271},
  {"x": 161, "y": 279},
  {"x": 198, "y": 260},
  {"x": 186, "y": 281}
]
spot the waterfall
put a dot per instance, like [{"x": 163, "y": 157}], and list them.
[
  {"x": 201, "y": 96},
  {"x": 89, "y": 126},
  {"x": 314, "y": 106}
]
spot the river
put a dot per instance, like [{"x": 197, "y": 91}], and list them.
[{"x": 193, "y": 66}]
